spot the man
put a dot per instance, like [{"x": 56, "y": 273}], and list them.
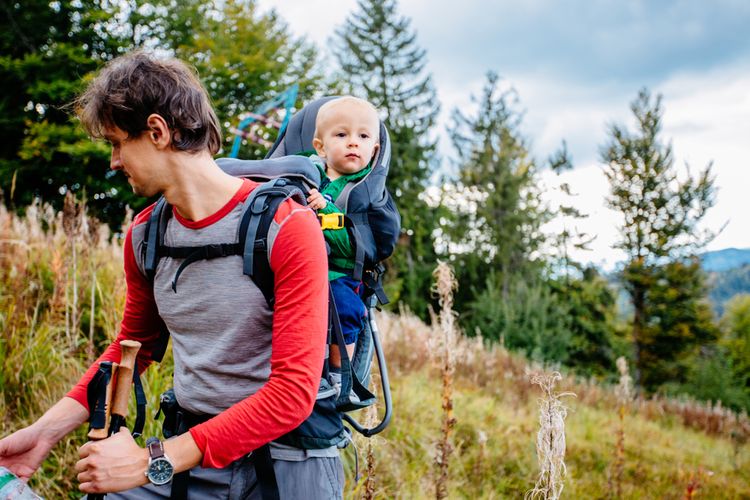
[{"x": 249, "y": 373}]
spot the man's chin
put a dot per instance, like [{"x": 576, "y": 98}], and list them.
[{"x": 139, "y": 191}]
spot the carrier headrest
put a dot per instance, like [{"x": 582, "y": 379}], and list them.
[
  {"x": 298, "y": 168},
  {"x": 298, "y": 136}
]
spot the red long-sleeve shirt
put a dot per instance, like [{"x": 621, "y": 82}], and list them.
[{"x": 257, "y": 371}]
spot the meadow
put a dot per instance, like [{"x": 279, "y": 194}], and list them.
[{"x": 61, "y": 296}]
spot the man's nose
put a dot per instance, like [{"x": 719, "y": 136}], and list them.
[{"x": 114, "y": 161}]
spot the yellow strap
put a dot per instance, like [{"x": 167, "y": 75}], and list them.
[{"x": 331, "y": 221}]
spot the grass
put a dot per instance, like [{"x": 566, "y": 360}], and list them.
[{"x": 672, "y": 449}]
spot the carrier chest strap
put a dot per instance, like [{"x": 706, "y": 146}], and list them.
[{"x": 193, "y": 254}]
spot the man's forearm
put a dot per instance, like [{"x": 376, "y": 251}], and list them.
[{"x": 64, "y": 417}]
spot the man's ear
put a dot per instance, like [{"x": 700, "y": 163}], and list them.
[
  {"x": 158, "y": 131},
  {"x": 318, "y": 145}
]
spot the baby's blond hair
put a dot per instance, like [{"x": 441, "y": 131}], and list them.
[{"x": 326, "y": 109}]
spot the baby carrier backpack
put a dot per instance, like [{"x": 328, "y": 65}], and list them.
[{"x": 373, "y": 223}]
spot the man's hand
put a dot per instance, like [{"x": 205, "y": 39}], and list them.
[
  {"x": 316, "y": 200},
  {"x": 23, "y": 451},
  {"x": 113, "y": 464}
]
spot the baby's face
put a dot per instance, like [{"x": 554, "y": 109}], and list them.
[{"x": 348, "y": 138}]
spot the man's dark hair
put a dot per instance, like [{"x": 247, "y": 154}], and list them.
[{"x": 131, "y": 87}]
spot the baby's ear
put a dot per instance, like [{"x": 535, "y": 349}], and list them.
[
  {"x": 318, "y": 145},
  {"x": 375, "y": 151}
]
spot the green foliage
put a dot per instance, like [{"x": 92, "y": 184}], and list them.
[
  {"x": 588, "y": 308},
  {"x": 529, "y": 320},
  {"x": 679, "y": 320},
  {"x": 243, "y": 57},
  {"x": 497, "y": 209},
  {"x": 377, "y": 51},
  {"x": 726, "y": 284},
  {"x": 661, "y": 214},
  {"x": 735, "y": 324},
  {"x": 712, "y": 377}
]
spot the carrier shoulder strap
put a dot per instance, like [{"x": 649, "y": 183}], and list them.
[{"x": 260, "y": 209}]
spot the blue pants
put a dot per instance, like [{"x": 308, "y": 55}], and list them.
[{"x": 352, "y": 311}]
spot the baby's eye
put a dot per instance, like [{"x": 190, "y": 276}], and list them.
[
  {"x": 340, "y": 134},
  {"x": 364, "y": 136}
]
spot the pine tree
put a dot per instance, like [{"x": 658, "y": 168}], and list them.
[
  {"x": 378, "y": 52},
  {"x": 499, "y": 229},
  {"x": 661, "y": 214}
]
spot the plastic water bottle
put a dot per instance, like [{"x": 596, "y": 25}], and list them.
[{"x": 12, "y": 488}]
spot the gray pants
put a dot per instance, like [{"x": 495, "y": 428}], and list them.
[{"x": 314, "y": 479}]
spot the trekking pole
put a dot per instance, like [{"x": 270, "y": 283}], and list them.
[
  {"x": 118, "y": 410},
  {"x": 129, "y": 349},
  {"x": 100, "y": 413}
]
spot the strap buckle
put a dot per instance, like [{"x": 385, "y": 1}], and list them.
[{"x": 331, "y": 221}]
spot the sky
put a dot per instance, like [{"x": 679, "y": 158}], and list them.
[{"x": 576, "y": 65}]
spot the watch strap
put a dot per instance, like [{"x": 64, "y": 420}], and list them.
[{"x": 155, "y": 448}]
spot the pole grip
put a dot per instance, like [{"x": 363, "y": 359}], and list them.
[
  {"x": 129, "y": 350},
  {"x": 98, "y": 434}
]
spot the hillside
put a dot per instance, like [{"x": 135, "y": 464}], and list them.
[
  {"x": 668, "y": 446},
  {"x": 61, "y": 287}
]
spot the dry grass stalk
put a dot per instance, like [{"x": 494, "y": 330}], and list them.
[
  {"x": 550, "y": 441},
  {"x": 482, "y": 454},
  {"x": 73, "y": 219},
  {"x": 624, "y": 396},
  {"x": 445, "y": 284},
  {"x": 370, "y": 421}
]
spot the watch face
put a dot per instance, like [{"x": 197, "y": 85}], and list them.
[{"x": 160, "y": 471}]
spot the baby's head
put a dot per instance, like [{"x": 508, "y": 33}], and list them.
[{"x": 347, "y": 135}]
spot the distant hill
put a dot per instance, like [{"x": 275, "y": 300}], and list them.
[
  {"x": 728, "y": 274},
  {"x": 726, "y": 259},
  {"x": 724, "y": 285}
]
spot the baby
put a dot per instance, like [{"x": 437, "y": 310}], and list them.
[{"x": 347, "y": 138}]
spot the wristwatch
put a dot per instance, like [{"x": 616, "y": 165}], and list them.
[{"x": 160, "y": 468}]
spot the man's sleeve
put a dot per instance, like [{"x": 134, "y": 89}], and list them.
[
  {"x": 140, "y": 321},
  {"x": 298, "y": 260}
]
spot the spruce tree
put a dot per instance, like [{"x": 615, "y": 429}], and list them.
[
  {"x": 494, "y": 230},
  {"x": 661, "y": 214},
  {"x": 500, "y": 228},
  {"x": 379, "y": 55}
]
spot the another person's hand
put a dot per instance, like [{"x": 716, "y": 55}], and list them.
[
  {"x": 316, "y": 201},
  {"x": 113, "y": 464},
  {"x": 23, "y": 451}
]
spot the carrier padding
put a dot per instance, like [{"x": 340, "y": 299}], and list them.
[{"x": 297, "y": 168}]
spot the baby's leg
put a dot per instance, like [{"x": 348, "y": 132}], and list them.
[
  {"x": 334, "y": 358},
  {"x": 352, "y": 314}
]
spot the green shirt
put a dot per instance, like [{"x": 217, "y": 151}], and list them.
[{"x": 342, "y": 250}]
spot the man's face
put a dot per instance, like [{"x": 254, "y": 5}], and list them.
[
  {"x": 135, "y": 157},
  {"x": 348, "y": 138}
]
